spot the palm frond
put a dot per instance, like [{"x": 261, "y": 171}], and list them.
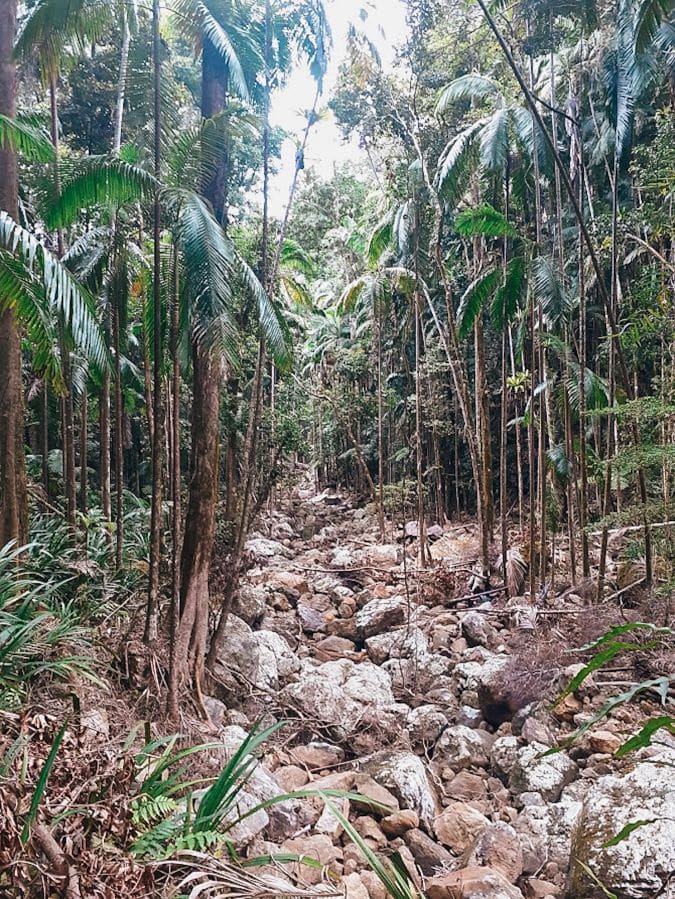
[
  {"x": 270, "y": 319},
  {"x": 484, "y": 221},
  {"x": 217, "y": 877},
  {"x": 63, "y": 295},
  {"x": 199, "y": 18},
  {"x": 380, "y": 239},
  {"x": 294, "y": 257},
  {"x": 474, "y": 299},
  {"x": 468, "y": 87},
  {"x": 458, "y": 161},
  {"x": 102, "y": 181},
  {"x": 296, "y": 291},
  {"x": 25, "y": 134},
  {"x": 649, "y": 16},
  {"x": 52, "y": 25},
  {"x": 550, "y": 291},
  {"x": 508, "y": 297},
  {"x": 494, "y": 142},
  {"x": 209, "y": 271},
  {"x": 352, "y": 294}
]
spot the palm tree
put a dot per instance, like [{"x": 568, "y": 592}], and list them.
[
  {"x": 373, "y": 292},
  {"x": 13, "y": 492}
]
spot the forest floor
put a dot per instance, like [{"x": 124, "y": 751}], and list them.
[{"x": 436, "y": 706}]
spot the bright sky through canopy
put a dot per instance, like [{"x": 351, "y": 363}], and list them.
[{"x": 384, "y": 23}]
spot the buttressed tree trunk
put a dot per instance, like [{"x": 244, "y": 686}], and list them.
[
  {"x": 191, "y": 633},
  {"x": 13, "y": 493}
]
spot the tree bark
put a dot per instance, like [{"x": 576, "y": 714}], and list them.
[
  {"x": 68, "y": 435},
  {"x": 189, "y": 646},
  {"x": 13, "y": 492},
  {"x": 152, "y": 611}
]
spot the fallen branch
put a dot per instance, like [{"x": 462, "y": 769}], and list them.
[
  {"x": 474, "y": 596},
  {"x": 634, "y": 527},
  {"x": 56, "y": 857}
]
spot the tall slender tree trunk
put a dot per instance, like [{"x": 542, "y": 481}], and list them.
[
  {"x": 189, "y": 646},
  {"x": 104, "y": 398},
  {"x": 626, "y": 382},
  {"x": 44, "y": 438},
  {"x": 419, "y": 424},
  {"x": 122, "y": 85},
  {"x": 68, "y": 435},
  {"x": 152, "y": 611},
  {"x": 13, "y": 491},
  {"x": 175, "y": 449},
  {"x": 84, "y": 446},
  {"x": 187, "y": 655},
  {"x": 119, "y": 437},
  {"x": 380, "y": 425}
]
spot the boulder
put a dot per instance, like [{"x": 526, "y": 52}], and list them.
[
  {"x": 243, "y": 662},
  {"x": 459, "y": 825},
  {"x": 354, "y": 887},
  {"x": 535, "y": 731},
  {"x": 380, "y": 615},
  {"x": 540, "y": 889},
  {"x": 286, "y": 661},
  {"x": 369, "y": 685},
  {"x": 495, "y": 696},
  {"x": 377, "y": 799},
  {"x": 263, "y": 550},
  {"x": 429, "y": 855},
  {"x": 384, "y": 555},
  {"x": 534, "y": 773},
  {"x": 311, "y": 620},
  {"x": 426, "y": 723},
  {"x": 404, "y": 774},
  {"x": 262, "y": 787},
  {"x": 504, "y": 755},
  {"x": 319, "y": 694},
  {"x": 318, "y": 847},
  {"x": 287, "y": 582},
  {"x": 642, "y": 865},
  {"x": 367, "y": 827},
  {"x": 472, "y": 883},
  {"x": 460, "y": 747},
  {"x": 399, "y": 823},
  {"x": 291, "y": 778},
  {"x": 545, "y": 831},
  {"x": 375, "y": 887},
  {"x": 604, "y": 741},
  {"x": 466, "y": 787},
  {"x": 478, "y": 630},
  {"x": 328, "y": 822},
  {"x": 402, "y": 644},
  {"x": 250, "y": 603},
  {"x": 317, "y": 755},
  {"x": 216, "y": 710},
  {"x": 497, "y": 847}
]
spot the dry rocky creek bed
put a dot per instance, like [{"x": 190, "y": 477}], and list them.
[{"x": 439, "y": 711}]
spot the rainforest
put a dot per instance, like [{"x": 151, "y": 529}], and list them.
[{"x": 337, "y": 449}]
